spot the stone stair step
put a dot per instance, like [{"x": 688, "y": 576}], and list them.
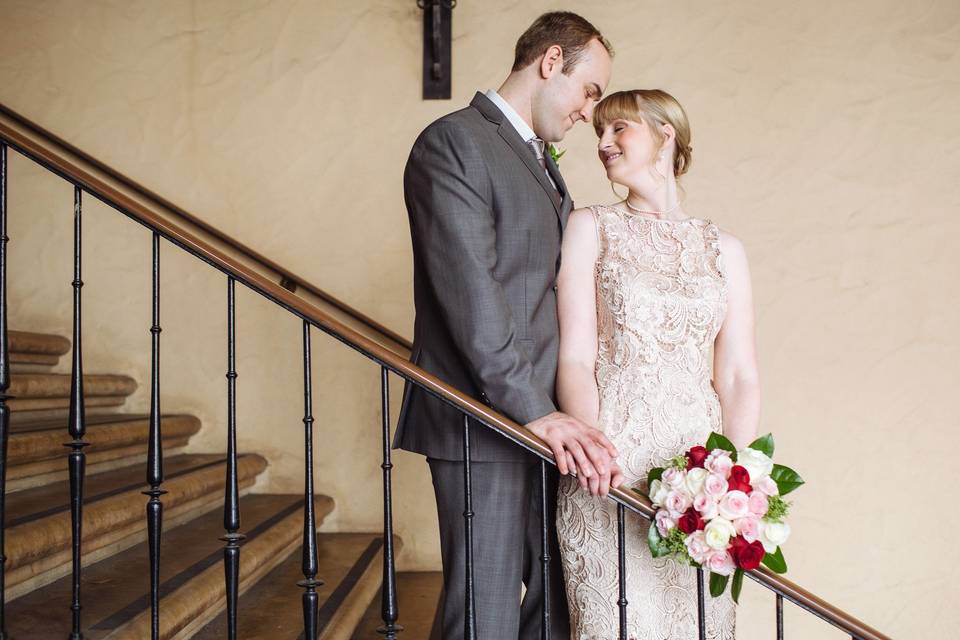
[
  {"x": 33, "y": 391},
  {"x": 116, "y": 590},
  {"x": 36, "y": 447},
  {"x": 350, "y": 565},
  {"x": 418, "y": 599},
  {"x": 27, "y": 347},
  {"x": 38, "y": 538}
]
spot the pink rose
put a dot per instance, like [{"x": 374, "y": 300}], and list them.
[
  {"x": 706, "y": 505},
  {"x": 698, "y": 548},
  {"x": 734, "y": 505},
  {"x": 719, "y": 462},
  {"x": 721, "y": 563},
  {"x": 664, "y": 522},
  {"x": 715, "y": 485},
  {"x": 748, "y": 527},
  {"x": 767, "y": 485},
  {"x": 677, "y": 503},
  {"x": 758, "y": 504},
  {"x": 674, "y": 477}
]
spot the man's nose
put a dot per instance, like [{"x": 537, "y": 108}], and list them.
[{"x": 587, "y": 111}]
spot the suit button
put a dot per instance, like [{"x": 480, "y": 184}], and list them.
[
  {"x": 555, "y": 288},
  {"x": 484, "y": 399}
]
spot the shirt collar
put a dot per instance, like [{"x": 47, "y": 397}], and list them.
[{"x": 518, "y": 123}]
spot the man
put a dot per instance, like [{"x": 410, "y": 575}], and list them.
[{"x": 487, "y": 206}]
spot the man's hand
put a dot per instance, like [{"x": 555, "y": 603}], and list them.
[{"x": 578, "y": 447}]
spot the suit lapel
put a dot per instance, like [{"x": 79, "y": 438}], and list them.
[{"x": 515, "y": 142}]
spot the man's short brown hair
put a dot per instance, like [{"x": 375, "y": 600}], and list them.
[{"x": 567, "y": 30}]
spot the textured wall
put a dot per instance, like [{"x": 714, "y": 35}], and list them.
[{"x": 825, "y": 136}]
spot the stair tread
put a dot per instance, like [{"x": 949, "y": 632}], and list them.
[
  {"x": 272, "y": 608},
  {"x": 26, "y": 386},
  {"x": 60, "y": 422},
  {"x": 418, "y": 600},
  {"x": 40, "y": 343},
  {"x": 30, "y": 504},
  {"x": 117, "y": 588}
]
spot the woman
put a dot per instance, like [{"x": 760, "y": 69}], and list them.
[{"x": 646, "y": 293}]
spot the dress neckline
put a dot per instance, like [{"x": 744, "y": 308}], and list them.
[{"x": 637, "y": 216}]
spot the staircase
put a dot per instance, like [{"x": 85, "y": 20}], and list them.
[{"x": 116, "y": 589}]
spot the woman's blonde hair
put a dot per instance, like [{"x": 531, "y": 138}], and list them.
[{"x": 654, "y": 108}]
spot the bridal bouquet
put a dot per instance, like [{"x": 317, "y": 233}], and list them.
[{"x": 722, "y": 510}]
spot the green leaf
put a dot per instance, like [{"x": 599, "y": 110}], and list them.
[
  {"x": 775, "y": 561},
  {"x": 655, "y": 474},
  {"x": 718, "y": 584},
  {"x": 719, "y": 441},
  {"x": 658, "y": 548},
  {"x": 737, "y": 585},
  {"x": 786, "y": 478},
  {"x": 764, "y": 445}
]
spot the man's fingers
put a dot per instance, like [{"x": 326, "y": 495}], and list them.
[
  {"x": 601, "y": 439},
  {"x": 571, "y": 463},
  {"x": 584, "y": 467},
  {"x": 598, "y": 456},
  {"x": 560, "y": 457}
]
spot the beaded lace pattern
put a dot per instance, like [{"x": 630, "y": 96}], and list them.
[{"x": 661, "y": 298}]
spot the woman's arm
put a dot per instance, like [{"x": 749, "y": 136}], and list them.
[
  {"x": 577, "y": 392},
  {"x": 735, "y": 375}
]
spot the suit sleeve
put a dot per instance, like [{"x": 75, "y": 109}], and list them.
[{"x": 448, "y": 196}]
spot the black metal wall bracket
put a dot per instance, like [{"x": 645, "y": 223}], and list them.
[{"x": 437, "y": 19}]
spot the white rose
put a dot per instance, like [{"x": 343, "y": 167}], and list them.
[
  {"x": 718, "y": 533},
  {"x": 757, "y": 464},
  {"x": 773, "y": 534},
  {"x": 695, "y": 480},
  {"x": 658, "y": 493}
]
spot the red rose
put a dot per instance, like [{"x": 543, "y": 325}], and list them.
[
  {"x": 690, "y": 521},
  {"x": 739, "y": 480},
  {"x": 746, "y": 555},
  {"x": 696, "y": 456}
]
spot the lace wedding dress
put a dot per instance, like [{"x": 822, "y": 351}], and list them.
[{"x": 661, "y": 299}]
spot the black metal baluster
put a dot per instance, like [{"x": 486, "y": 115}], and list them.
[
  {"x": 4, "y": 385},
  {"x": 779, "y": 617},
  {"x": 309, "y": 564},
  {"x": 701, "y": 604},
  {"x": 231, "y": 500},
  {"x": 622, "y": 561},
  {"x": 77, "y": 421},
  {"x": 155, "y": 452},
  {"x": 389, "y": 609},
  {"x": 544, "y": 553},
  {"x": 470, "y": 621}
]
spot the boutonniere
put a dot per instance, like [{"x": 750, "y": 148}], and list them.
[{"x": 555, "y": 153}]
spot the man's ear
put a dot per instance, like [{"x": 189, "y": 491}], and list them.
[{"x": 551, "y": 61}]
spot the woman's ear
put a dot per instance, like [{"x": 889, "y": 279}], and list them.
[{"x": 669, "y": 136}]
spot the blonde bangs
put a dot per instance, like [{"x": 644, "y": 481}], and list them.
[{"x": 622, "y": 105}]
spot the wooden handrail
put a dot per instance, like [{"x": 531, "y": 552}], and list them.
[{"x": 349, "y": 327}]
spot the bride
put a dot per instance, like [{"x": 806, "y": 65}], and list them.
[{"x": 647, "y": 295}]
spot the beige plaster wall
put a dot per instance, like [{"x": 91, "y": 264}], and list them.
[{"x": 825, "y": 136}]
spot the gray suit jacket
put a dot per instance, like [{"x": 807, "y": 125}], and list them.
[{"x": 486, "y": 226}]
